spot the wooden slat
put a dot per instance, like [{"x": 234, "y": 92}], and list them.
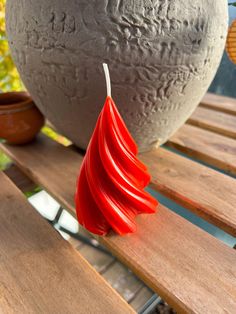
[
  {"x": 219, "y": 103},
  {"x": 39, "y": 271},
  {"x": 219, "y": 122},
  {"x": 173, "y": 175},
  {"x": 180, "y": 257},
  {"x": 190, "y": 269},
  {"x": 208, "y": 193},
  {"x": 41, "y": 162},
  {"x": 215, "y": 149}
]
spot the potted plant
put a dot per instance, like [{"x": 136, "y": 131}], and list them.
[{"x": 20, "y": 119}]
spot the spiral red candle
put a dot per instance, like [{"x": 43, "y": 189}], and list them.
[{"x": 110, "y": 189}]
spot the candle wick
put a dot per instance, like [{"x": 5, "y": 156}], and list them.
[{"x": 108, "y": 79}]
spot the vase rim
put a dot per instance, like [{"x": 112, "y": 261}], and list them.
[{"x": 12, "y": 102}]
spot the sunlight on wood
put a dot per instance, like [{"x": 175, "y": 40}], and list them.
[{"x": 49, "y": 132}]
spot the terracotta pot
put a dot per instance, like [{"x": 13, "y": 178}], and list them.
[
  {"x": 162, "y": 55},
  {"x": 20, "y": 119}
]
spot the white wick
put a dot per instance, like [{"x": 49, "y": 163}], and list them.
[{"x": 108, "y": 80}]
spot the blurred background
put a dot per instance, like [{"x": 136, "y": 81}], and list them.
[
  {"x": 9, "y": 77},
  {"x": 224, "y": 82}
]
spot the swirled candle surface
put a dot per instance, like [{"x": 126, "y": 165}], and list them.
[{"x": 110, "y": 189}]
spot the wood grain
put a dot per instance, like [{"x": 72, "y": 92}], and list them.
[
  {"x": 206, "y": 192},
  {"x": 219, "y": 103},
  {"x": 214, "y": 149},
  {"x": 189, "y": 268},
  {"x": 39, "y": 271},
  {"x": 219, "y": 122},
  {"x": 179, "y": 257},
  {"x": 43, "y": 163}
]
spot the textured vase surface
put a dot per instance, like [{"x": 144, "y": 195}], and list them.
[{"x": 162, "y": 55}]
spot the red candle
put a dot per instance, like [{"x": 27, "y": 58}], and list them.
[{"x": 110, "y": 189}]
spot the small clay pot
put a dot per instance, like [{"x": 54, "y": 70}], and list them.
[{"x": 20, "y": 120}]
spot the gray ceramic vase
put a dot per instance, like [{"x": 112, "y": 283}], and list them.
[{"x": 162, "y": 55}]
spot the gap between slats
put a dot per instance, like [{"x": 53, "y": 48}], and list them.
[
  {"x": 212, "y": 120},
  {"x": 119, "y": 277},
  {"x": 40, "y": 272},
  {"x": 206, "y": 192},
  {"x": 219, "y": 103}
]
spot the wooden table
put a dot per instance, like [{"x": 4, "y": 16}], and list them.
[{"x": 193, "y": 271}]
